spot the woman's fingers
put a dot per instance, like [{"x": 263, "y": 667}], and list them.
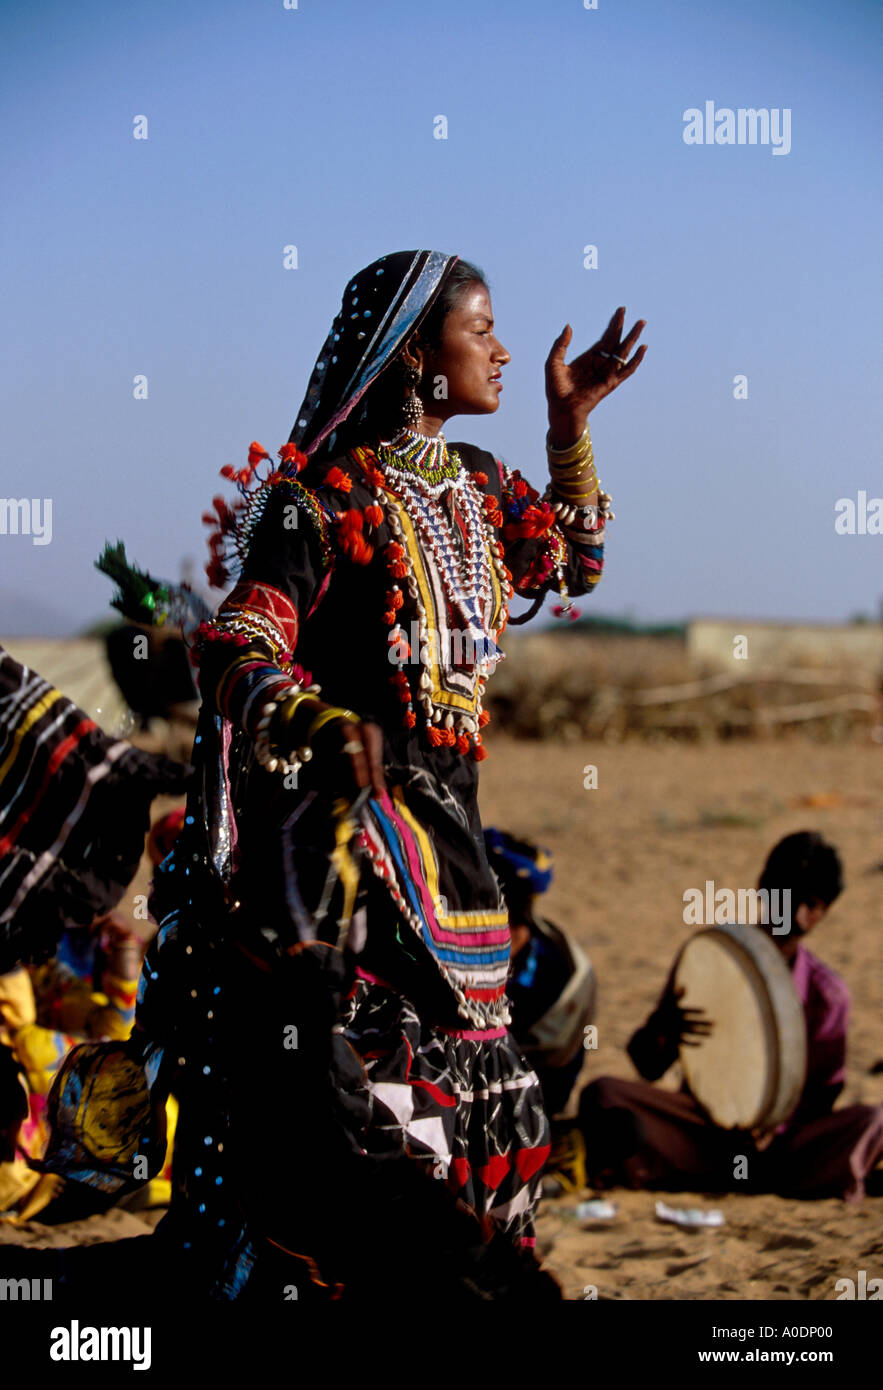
[
  {"x": 353, "y": 747},
  {"x": 613, "y": 332},
  {"x": 363, "y": 744},
  {"x": 374, "y": 750},
  {"x": 633, "y": 365},
  {"x": 560, "y": 345},
  {"x": 634, "y": 335},
  {"x": 555, "y": 365}
]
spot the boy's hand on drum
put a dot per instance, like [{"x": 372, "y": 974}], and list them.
[
  {"x": 685, "y": 1026},
  {"x": 762, "y": 1138}
]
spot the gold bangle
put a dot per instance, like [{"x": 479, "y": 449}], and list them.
[
  {"x": 582, "y": 445},
  {"x": 326, "y": 715},
  {"x": 572, "y": 478},
  {"x": 585, "y": 488},
  {"x": 573, "y": 465},
  {"x": 571, "y": 474},
  {"x": 288, "y": 709}
]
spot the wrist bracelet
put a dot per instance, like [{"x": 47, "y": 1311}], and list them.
[
  {"x": 269, "y": 756},
  {"x": 326, "y": 716},
  {"x": 574, "y": 473},
  {"x": 577, "y": 493},
  {"x": 575, "y": 451}
]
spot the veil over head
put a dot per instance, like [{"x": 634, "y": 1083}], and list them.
[{"x": 381, "y": 307}]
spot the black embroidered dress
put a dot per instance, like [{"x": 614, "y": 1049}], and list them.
[{"x": 326, "y": 990}]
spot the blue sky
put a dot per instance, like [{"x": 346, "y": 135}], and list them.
[{"x": 314, "y": 127}]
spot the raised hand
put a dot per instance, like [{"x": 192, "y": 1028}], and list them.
[
  {"x": 689, "y": 1026},
  {"x": 573, "y": 389}
]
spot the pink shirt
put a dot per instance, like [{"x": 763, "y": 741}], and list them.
[{"x": 826, "y": 1003}]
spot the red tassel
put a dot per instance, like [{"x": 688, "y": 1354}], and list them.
[
  {"x": 410, "y": 719},
  {"x": 290, "y": 453},
  {"x": 336, "y": 478},
  {"x": 361, "y": 551},
  {"x": 374, "y": 515},
  {"x": 463, "y": 744},
  {"x": 435, "y": 735},
  {"x": 479, "y": 752},
  {"x": 480, "y": 478},
  {"x": 483, "y": 719},
  {"x": 398, "y": 569}
]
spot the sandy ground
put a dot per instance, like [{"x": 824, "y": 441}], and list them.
[{"x": 663, "y": 818}]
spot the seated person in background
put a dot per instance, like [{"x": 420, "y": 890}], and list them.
[
  {"x": 86, "y": 991},
  {"x": 639, "y": 1135},
  {"x": 551, "y": 987}
]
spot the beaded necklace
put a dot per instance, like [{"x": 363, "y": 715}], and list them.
[
  {"x": 422, "y": 459},
  {"x": 413, "y": 481}
]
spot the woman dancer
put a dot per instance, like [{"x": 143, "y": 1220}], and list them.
[{"x": 326, "y": 991}]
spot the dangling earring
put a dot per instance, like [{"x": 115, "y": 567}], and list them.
[{"x": 413, "y": 408}]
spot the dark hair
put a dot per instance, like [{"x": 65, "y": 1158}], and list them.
[
  {"x": 380, "y": 410},
  {"x": 805, "y": 865},
  {"x": 462, "y": 274}
]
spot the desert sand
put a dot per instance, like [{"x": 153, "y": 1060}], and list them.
[{"x": 663, "y": 818}]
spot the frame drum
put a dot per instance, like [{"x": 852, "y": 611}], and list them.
[{"x": 751, "y": 1071}]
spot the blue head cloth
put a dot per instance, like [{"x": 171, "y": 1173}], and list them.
[
  {"x": 381, "y": 307},
  {"x": 518, "y": 863}
]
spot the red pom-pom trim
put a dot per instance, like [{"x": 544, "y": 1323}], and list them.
[
  {"x": 291, "y": 454},
  {"x": 336, "y": 478}
]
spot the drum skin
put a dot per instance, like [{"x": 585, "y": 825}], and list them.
[{"x": 751, "y": 1071}]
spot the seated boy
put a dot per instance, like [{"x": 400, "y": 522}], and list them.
[{"x": 639, "y": 1135}]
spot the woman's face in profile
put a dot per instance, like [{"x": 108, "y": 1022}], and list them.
[{"x": 469, "y": 360}]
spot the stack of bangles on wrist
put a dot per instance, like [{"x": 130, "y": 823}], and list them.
[
  {"x": 573, "y": 481},
  {"x": 275, "y": 746}
]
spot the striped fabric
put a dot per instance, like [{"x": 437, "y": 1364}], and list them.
[
  {"x": 470, "y": 949},
  {"x": 74, "y": 809}
]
